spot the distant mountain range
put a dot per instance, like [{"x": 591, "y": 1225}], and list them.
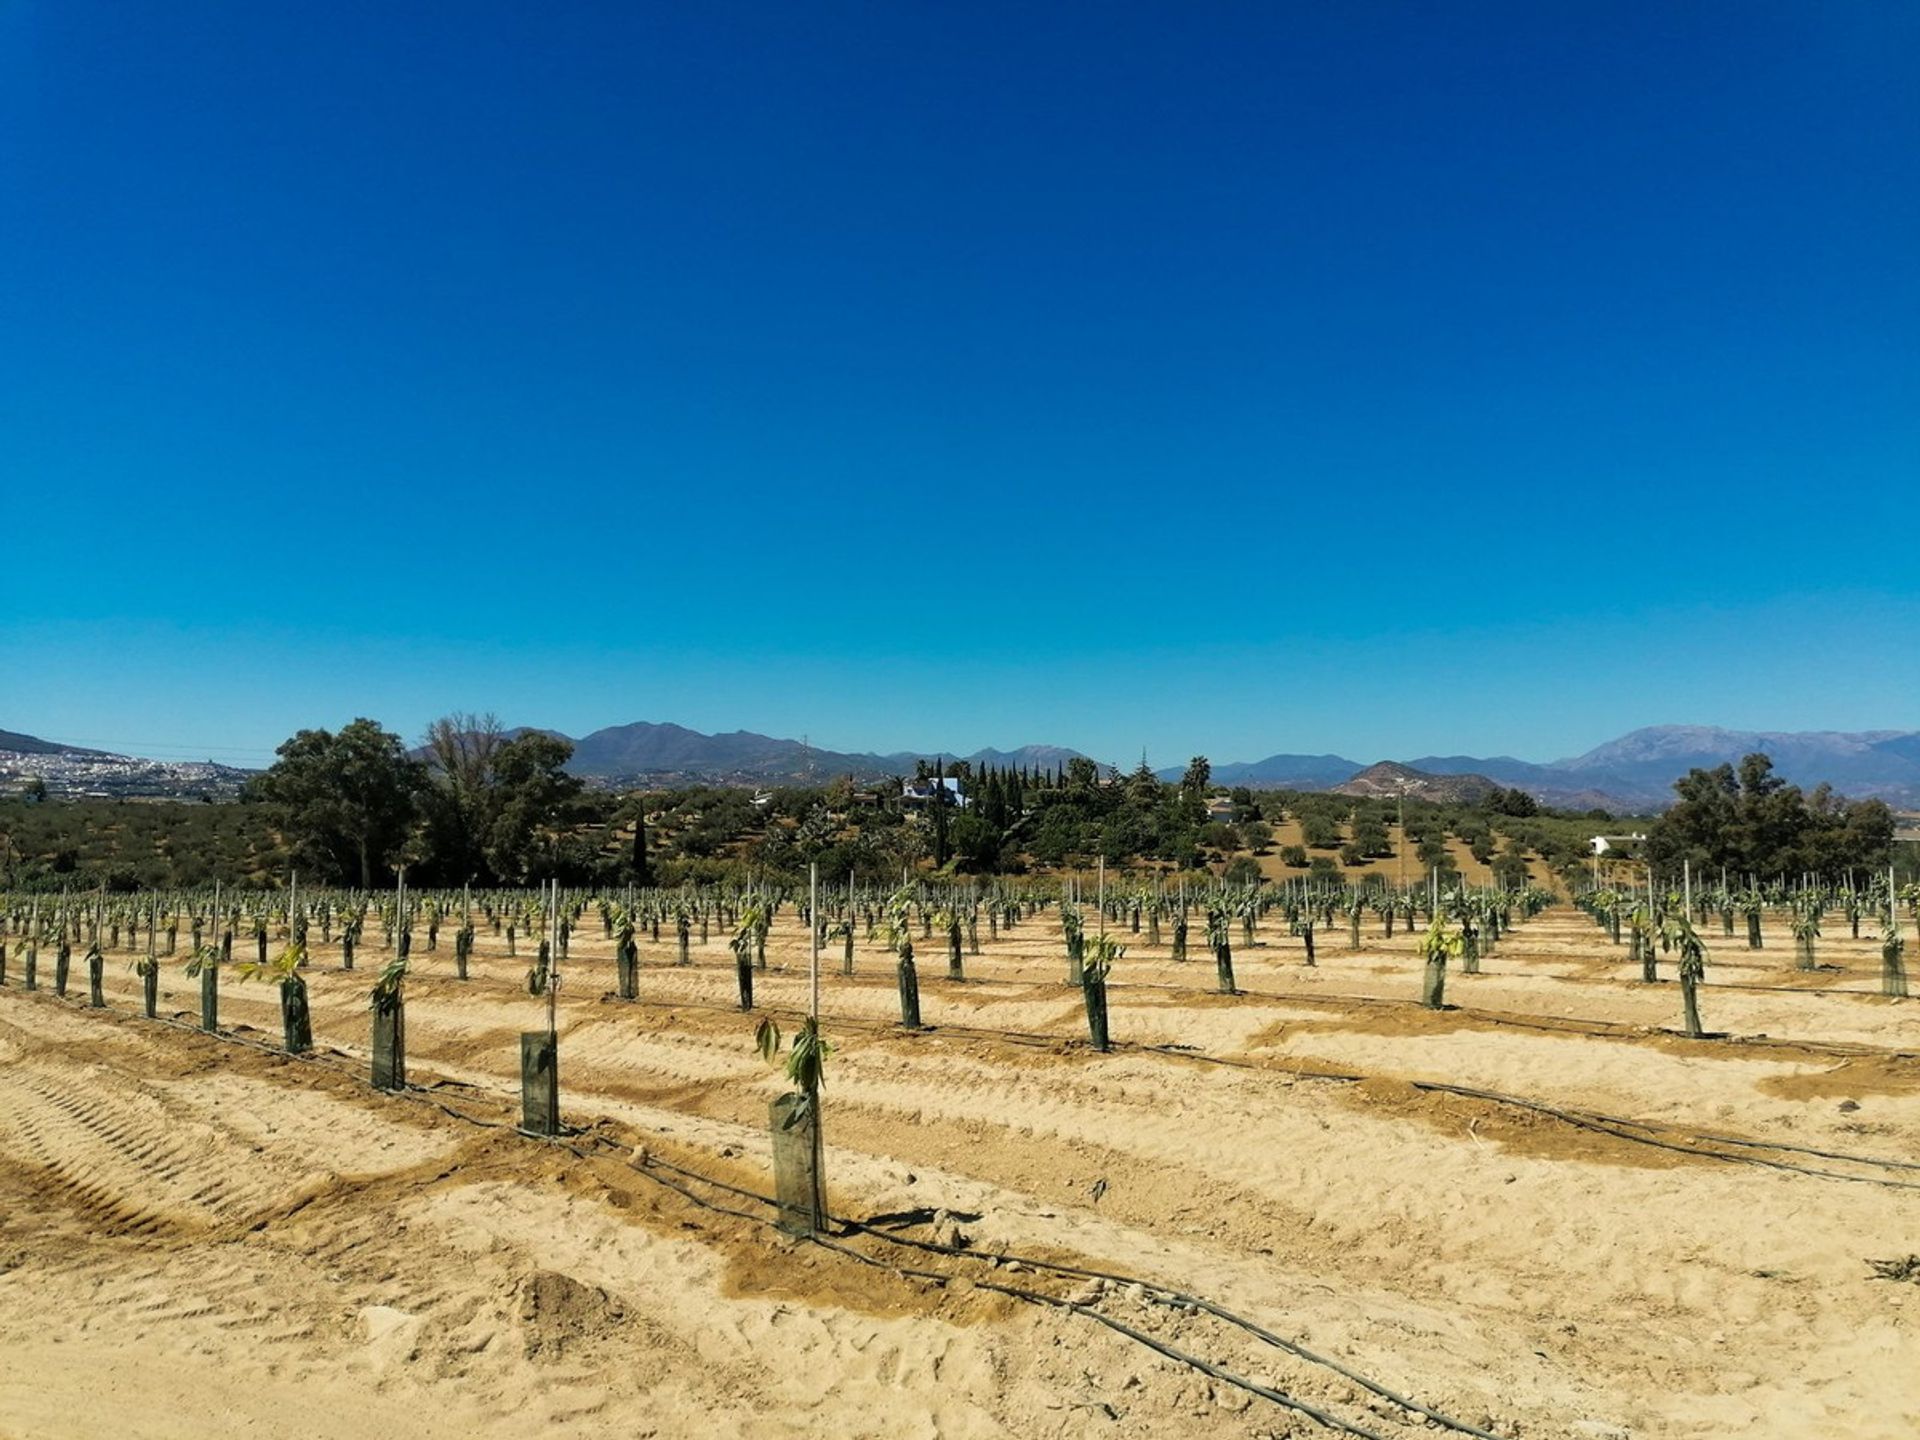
[
  {"x": 1633, "y": 773},
  {"x": 647, "y": 752}
]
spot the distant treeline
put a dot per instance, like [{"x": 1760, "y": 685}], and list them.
[{"x": 351, "y": 807}]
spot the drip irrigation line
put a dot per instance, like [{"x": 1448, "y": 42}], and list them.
[
  {"x": 1574, "y": 1025},
  {"x": 1560, "y": 1025},
  {"x": 1175, "y": 1299},
  {"x": 1162, "y": 1294},
  {"x": 1746, "y": 1144},
  {"x": 1618, "y": 1126},
  {"x": 416, "y": 1093},
  {"x": 1589, "y": 1120},
  {"x": 1035, "y": 1297}
]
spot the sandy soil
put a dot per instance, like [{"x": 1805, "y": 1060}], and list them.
[{"x": 199, "y": 1236}]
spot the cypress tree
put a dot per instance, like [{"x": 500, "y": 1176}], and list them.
[{"x": 642, "y": 866}]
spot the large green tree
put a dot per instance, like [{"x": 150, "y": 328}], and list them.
[
  {"x": 499, "y": 809},
  {"x": 1752, "y": 822},
  {"x": 533, "y": 806},
  {"x": 461, "y": 750},
  {"x": 346, "y": 802}
]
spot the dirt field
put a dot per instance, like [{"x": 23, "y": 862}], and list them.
[{"x": 201, "y": 1237}]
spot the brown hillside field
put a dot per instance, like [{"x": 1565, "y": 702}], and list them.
[
  {"x": 1626, "y": 1233},
  {"x": 1392, "y": 869}
]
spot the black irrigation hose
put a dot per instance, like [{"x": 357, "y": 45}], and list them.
[
  {"x": 1559, "y": 1025},
  {"x": 1613, "y": 1126},
  {"x": 415, "y": 1093},
  {"x": 1597, "y": 1121},
  {"x": 1574, "y": 1025},
  {"x": 1164, "y": 1296},
  {"x": 1552, "y": 1024},
  {"x": 1592, "y": 1121},
  {"x": 1745, "y": 1144},
  {"x": 1033, "y": 1297},
  {"x": 1036, "y": 1297}
]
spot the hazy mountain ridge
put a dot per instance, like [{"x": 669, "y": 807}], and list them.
[
  {"x": 659, "y": 752},
  {"x": 12, "y": 742},
  {"x": 1635, "y": 771},
  {"x": 1282, "y": 772}
]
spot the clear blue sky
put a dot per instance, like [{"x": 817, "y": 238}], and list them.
[{"x": 1381, "y": 379}]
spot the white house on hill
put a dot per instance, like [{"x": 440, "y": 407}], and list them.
[{"x": 921, "y": 792}]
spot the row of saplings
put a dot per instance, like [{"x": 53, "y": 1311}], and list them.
[
  {"x": 1458, "y": 924},
  {"x": 1652, "y": 924},
  {"x": 1090, "y": 959},
  {"x": 204, "y": 963},
  {"x": 518, "y": 913},
  {"x": 1464, "y": 926}
]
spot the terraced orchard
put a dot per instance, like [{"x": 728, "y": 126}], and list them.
[{"x": 1297, "y": 1194}]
